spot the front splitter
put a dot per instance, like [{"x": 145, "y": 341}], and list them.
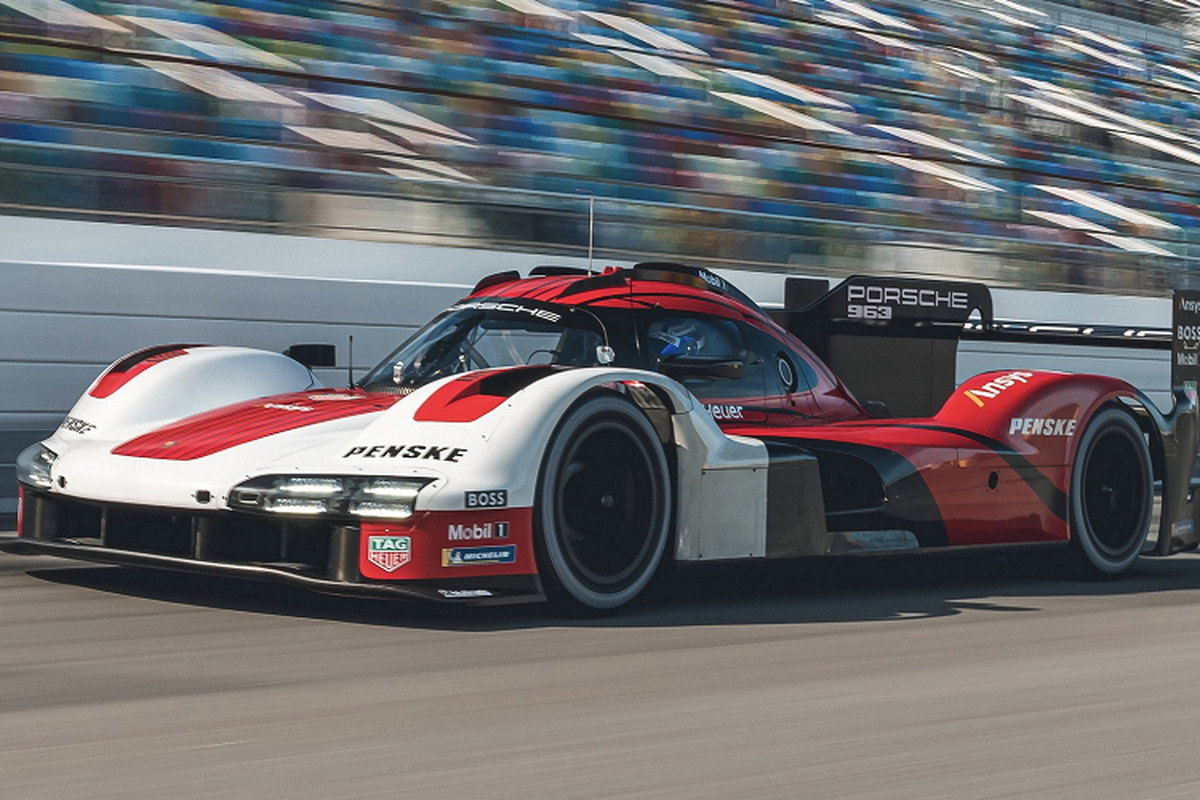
[{"x": 455, "y": 595}]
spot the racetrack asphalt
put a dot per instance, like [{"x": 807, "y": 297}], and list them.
[{"x": 939, "y": 678}]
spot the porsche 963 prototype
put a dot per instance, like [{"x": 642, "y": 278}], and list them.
[{"x": 559, "y": 436}]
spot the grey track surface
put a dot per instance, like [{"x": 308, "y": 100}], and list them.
[{"x": 943, "y": 679}]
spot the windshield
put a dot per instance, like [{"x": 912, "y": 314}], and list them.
[{"x": 482, "y": 335}]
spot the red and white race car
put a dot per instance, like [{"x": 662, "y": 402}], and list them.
[{"x": 559, "y": 436}]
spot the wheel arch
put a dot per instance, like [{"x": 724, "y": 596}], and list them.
[
  {"x": 555, "y": 554},
  {"x": 659, "y": 406},
  {"x": 1104, "y": 539},
  {"x": 1144, "y": 414}
]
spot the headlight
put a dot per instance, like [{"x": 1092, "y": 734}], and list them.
[
  {"x": 319, "y": 495},
  {"x": 311, "y": 487},
  {"x": 385, "y": 498},
  {"x": 33, "y": 466}
]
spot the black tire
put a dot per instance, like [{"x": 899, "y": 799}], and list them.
[
  {"x": 604, "y": 506},
  {"x": 1112, "y": 495}
]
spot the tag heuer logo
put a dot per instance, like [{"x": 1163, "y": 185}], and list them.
[{"x": 389, "y": 553}]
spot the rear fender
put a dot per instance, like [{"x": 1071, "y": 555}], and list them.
[{"x": 1039, "y": 415}]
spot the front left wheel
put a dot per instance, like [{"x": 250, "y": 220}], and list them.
[{"x": 604, "y": 507}]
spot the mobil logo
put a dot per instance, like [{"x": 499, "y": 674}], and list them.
[{"x": 482, "y": 530}]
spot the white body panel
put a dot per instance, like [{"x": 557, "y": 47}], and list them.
[
  {"x": 722, "y": 490},
  {"x": 721, "y": 480},
  {"x": 203, "y": 379}
]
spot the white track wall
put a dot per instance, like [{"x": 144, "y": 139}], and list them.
[{"x": 75, "y": 296}]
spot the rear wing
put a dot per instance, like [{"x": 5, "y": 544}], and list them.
[
  {"x": 895, "y": 340},
  {"x": 892, "y": 340}
]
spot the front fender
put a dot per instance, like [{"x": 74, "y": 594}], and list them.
[
  {"x": 152, "y": 387},
  {"x": 721, "y": 480}
]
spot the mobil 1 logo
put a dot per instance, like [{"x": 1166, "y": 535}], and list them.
[
  {"x": 496, "y": 498},
  {"x": 1185, "y": 341}
]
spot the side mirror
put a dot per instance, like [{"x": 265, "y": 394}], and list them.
[
  {"x": 683, "y": 367},
  {"x": 877, "y": 409},
  {"x": 313, "y": 355}
]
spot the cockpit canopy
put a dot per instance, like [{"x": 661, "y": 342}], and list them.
[{"x": 483, "y": 334}]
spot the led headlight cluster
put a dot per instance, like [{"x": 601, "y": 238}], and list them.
[
  {"x": 33, "y": 466},
  {"x": 316, "y": 495}
]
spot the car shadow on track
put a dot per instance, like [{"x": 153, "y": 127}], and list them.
[{"x": 817, "y": 591}]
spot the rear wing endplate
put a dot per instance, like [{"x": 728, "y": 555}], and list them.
[{"x": 1181, "y": 429}]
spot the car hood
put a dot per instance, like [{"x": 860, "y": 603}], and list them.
[{"x": 223, "y": 428}]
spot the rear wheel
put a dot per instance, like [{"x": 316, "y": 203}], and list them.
[
  {"x": 604, "y": 506},
  {"x": 1111, "y": 495}
]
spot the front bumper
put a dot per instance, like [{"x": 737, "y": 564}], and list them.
[{"x": 321, "y": 557}]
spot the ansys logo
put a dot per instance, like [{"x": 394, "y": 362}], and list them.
[
  {"x": 389, "y": 553},
  {"x": 995, "y": 386}
]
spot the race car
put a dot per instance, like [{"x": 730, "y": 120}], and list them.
[{"x": 562, "y": 435}]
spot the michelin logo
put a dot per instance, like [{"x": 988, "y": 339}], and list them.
[{"x": 470, "y": 556}]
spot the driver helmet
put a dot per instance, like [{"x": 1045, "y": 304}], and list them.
[{"x": 679, "y": 337}]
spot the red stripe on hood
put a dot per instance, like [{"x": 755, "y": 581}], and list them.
[
  {"x": 213, "y": 431},
  {"x": 130, "y": 367}
]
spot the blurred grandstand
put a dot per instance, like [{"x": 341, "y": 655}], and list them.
[{"x": 1029, "y": 143}]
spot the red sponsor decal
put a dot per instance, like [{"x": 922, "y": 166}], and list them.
[
  {"x": 214, "y": 431},
  {"x": 469, "y": 397},
  {"x": 389, "y": 553},
  {"x": 385, "y": 548},
  {"x": 432, "y": 532},
  {"x": 130, "y": 367}
]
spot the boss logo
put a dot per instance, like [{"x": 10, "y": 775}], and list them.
[
  {"x": 497, "y": 498},
  {"x": 1188, "y": 333}
]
